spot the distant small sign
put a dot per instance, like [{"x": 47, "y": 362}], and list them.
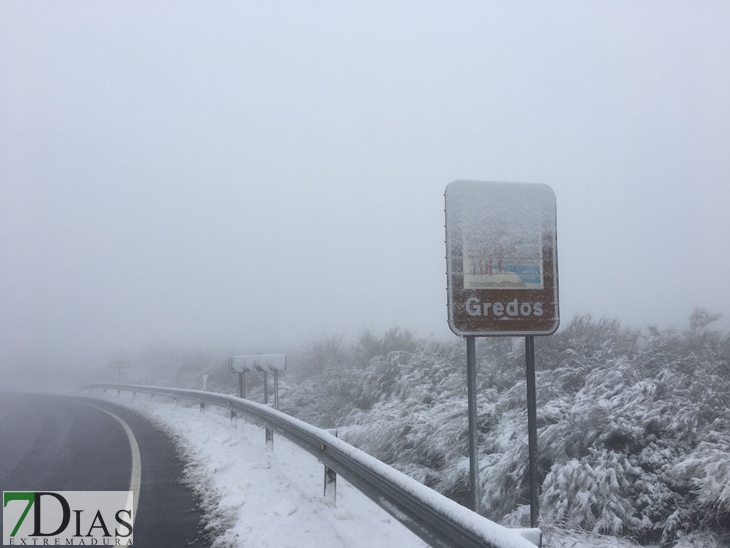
[
  {"x": 262, "y": 362},
  {"x": 501, "y": 255}
]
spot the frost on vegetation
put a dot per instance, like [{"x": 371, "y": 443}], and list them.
[
  {"x": 708, "y": 470},
  {"x": 592, "y": 492},
  {"x": 703, "y": 539}
]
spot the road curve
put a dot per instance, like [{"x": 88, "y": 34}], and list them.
[{"x": 55, "y": 443}]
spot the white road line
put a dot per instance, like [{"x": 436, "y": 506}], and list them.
[{"x": 136, "y": 480}]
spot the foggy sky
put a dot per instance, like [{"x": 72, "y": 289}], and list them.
[{"x": 255, "y": 174}]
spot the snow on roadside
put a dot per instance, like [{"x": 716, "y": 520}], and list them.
[{"x": 254, "y": 497}]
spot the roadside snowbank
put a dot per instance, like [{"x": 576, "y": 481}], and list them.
[{"x": 254, "y": 497}]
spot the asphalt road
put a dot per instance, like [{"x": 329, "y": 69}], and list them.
[{"x": 55, "y": 443}]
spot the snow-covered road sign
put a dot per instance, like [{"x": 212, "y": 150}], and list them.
[
  {"x": 501, "y": 258},
  {"x": 263, "y": 362}
]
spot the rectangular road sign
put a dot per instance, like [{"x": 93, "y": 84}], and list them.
[
  {"x": 262, "y": 362},
  {"x": 501, "y": 258}
]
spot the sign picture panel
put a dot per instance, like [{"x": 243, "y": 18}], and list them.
[{"x": 501, "y": 255}]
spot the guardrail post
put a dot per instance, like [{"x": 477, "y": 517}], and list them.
[
  {"x": 134, "y": 394},
  {"x": 174, "y": 400},
  {"x": 330, "y": 478},
  {"x": 244, "y": 387},
  {"x": 234, "y": 415},
  {"x": 202, "y": 407}
]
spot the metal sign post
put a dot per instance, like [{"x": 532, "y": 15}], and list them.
[
  {"x": 266, "y": 388},
  {"x": 276, "y": 390},
  {"x": 262, "y": 363},
  {"x": 471, "y": 388},
  {"x": 119, "y": 365},
  {"x": 269, "y": 431},
  {"x": 502, "y": 274},
  {"x": 532, "y": 427}
]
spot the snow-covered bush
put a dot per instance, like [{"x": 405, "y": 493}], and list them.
[
  {"x": 593, "y": 493},
  {"x": 708, "y": 470}
]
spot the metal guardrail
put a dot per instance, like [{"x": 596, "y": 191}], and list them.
[{"x": 439, "y": 521}]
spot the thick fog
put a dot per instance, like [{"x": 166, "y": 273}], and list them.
[{"x": 251, "y": 175}]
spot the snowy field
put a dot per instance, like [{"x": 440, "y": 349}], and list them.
[{"x": 255, "y": 497}]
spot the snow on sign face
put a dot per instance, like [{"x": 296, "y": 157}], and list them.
[
  {"x": 261, "y": 362},
  {"x": 501, "y": 258}
]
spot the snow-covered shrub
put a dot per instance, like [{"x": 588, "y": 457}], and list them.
[
  {"x": 701, "y": 539},
  {"x": 708, "y": 470},
  {"x": 369, "y": 345},
  {"x": 585, "y": 343},
  {"x": 592, "y": 492}
]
